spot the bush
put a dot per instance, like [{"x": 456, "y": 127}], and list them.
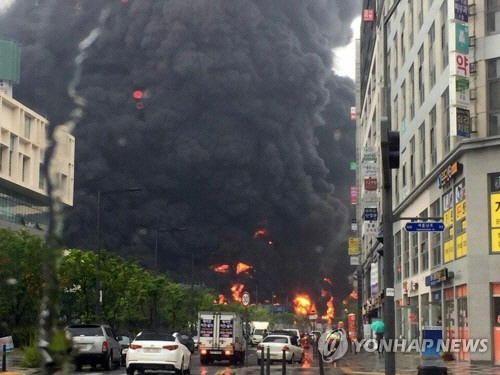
[{"x": 32, "y": 357}]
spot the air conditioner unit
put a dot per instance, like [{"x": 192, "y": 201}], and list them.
[
  {"x": 473, "y": 67},
  {"x": 472, "y": 10},
  {"x": 472, "y": 40},
  {"x": 473, "y": 94}
]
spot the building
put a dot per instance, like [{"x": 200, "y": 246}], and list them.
[
  {"x": 443, "y": 74},
  {"x": 24, "y": 202}
]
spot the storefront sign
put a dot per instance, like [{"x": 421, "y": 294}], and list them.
[
  {"x": 369, "y": 170},
  {"x": 460, "y": 65},
  {"x": 462, "y": 38},
  {"x": 438, "y": 277},
  {"x": 354, "y": 195},
  {"x": 446, "y": 175},
  {"x": 460, "y": 122},
  {"x": 354, "y": 225},
  {"x": 459, "y": 90},
  {"x": 368, "y": 15},
  {"x": 374, "y": 278},
  {"x": 354, "y": 261},
  {"x": 370, "y": 214},
  {"x": 435, "y": 296},
  {"x": 461, "y": 10},
  {"x": 370, "y": 228},
  {"x": 370, "y": 184},
  {"x": 353, "y": 246},
  {"x": 353, "y": 113},
  {"x": 369, "y": 154}
]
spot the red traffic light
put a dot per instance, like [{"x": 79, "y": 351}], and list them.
[{"x": 138, "y": 94}]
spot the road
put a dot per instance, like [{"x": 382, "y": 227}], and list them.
[{"x": 219, "y": 368}]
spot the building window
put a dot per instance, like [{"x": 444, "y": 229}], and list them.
[
  {"x": 494, "y": 97},
  {"x": 445, "y": 107},
  {"x": 420, "y": 16},
  {"x": 435, "y": 210},
  {"x": 397, "y": 247},
  {"x": 404, "y": 174},
  {"x": 444, "y": 35},
  {"x": 433, "y": 137},
  {"x": 412, "y": 162},
  {"x": 406, "y": 258},
  {"x": 410, "y": 84},
  {"x": 423, "y": 154},
  {"x": 27, "y": 126},
  {"x": 414, "y": 260},
  {"x": 11, "y": 152},
  {"x": 421, "y": 86},
  {"x": 432, "y": 64},
  {"x": 25, "y": 173},
  {"x": 41, "y": 178},
  {"x": 493, "y": 17}
]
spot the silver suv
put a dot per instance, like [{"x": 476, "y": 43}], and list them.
[{"x": 95, "y": 344}]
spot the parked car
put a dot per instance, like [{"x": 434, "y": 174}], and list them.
[
  {"x": 276, "y": 344},
  {"x": 157, "y": 351},
  {"x": 124, "y": 342},
  {"x": 196, "y": 340},
  {"x": 187, "y": 341},
  {"x": 95, "y": 344}
]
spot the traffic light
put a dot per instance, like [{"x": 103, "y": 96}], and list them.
[
  {"x": 138, "y": 95},
  {"x": 393, "y": 138}
]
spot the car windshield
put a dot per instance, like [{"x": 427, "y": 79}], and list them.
[
  {"x": 277, "y": 339},
  {"x": 154, "y": 337},
  {"x": 85, "y": 330},
  {"x": 124, "y": 340}
]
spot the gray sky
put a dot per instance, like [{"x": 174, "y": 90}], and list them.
[{"x": 345, "y": 57}]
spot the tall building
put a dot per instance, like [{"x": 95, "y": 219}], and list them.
[
  {"x": 442, "y": 68},
  {"x": 23, "y": 189}
]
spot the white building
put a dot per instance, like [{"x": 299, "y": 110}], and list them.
[
  {"x": 23, "y": 189},
  {"x": 444, "y": 76}
]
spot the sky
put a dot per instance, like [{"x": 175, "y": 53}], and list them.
[{"x": 345, "y": 57}]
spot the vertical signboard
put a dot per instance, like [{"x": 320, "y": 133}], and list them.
[
  {"x": 353, "y": 246},
  {"x": 448, "y": 248},
  {"x": 354, "y": 195},
  {"x": 374, "y": 278},
  {"x": 460, "y": 220},
  {"x": 494, "y": 202},
  {"x": 459, "y": 69}
]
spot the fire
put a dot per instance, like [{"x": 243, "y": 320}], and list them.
[
  {"x": 353, "y": 295},
  {"x": 327, "y": 280},
  {"x": 221, "y": 299},
  {"x": 223, "y": 268},
  {"x": 330, "y": 311},
  {"x": 242, "y": 267},
  {"x": 236, "y": 290},
  {"x": 302, "y": 304},
  {"x": 324, "y": 293},
  {"x": 261, "y": 232}
]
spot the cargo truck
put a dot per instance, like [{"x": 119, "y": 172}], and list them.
[{"x": 221, "y": 337}]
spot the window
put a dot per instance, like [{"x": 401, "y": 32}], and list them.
[
  {"x": 420, "y": 16},
  {"x": 412, "y": 162},
  {"x": 444, "y": 35},
  {"x": 41, "y": 179},
  {"x": 11, "y": 152},
  {"x": 445, "y": 108},
  {"x": 403, "y": 101},
  {"x": 494, "y": 97},
  {"x": 397, "y": 248},
  {"x": 410, "y": 84},
  {"x": 414, "y": 253},
  {"x": 406, "y": 260},
  {"x": 435, "y": 237},
  {"x": 27, "y": 126},
  {"x": 432, "y": 64},
  {"x": 25, "y": 173},
  {"x": 421, "y": 86},
  {"x": 402, "y": 48},
  {"x": 404, "y": 174},
  {"x": 433, "y": 137},
  {"x": 423, "y": 154},
  {"x": 493, "y": 17}
]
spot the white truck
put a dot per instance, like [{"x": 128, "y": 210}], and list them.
[
  {"x": 259, "y": 331},
  {"x": 221, "y": 337}
]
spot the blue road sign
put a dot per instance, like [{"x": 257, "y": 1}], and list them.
[{"x": 429, "y": 226}]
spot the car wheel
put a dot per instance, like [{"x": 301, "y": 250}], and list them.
[
  {"x": 108, "y": 362},
  {"x": 188, "y": 370},
  {"x": 130, "y": 371},
  {"x": 180, "y": 370},
  {"x": 291, "y": 360}
]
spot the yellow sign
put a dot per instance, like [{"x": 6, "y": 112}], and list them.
[
  {"x": 495, "y": 240},
  {"x": 448, "y": 255},
  {"x": 353, "y": 251},
  {"x": 460, "y": 210},
  {"x": 495, "y": 209},
  {"x": 462, "y": 245},
  {"x": 448, "y": 218},
  {"x": 353, "y": 243}
]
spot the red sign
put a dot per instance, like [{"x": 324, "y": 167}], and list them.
[
  {"x": 370, "y": 184},
  {"x": 369, "y": 15},
  {"x": 353, "y": 113},
  {"x": 462, "y": 65},
  {"x": 412, "y": 317},
  {"x": 354, "y": 195},
  {"x": 351, "y": 326}
]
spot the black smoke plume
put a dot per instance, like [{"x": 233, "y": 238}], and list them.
[{"x": 244, "y": 126}]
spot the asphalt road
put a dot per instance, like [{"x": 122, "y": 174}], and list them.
[{"x": 197, "y": 369}]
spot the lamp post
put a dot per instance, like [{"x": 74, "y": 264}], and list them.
[
  {"x": 98, "y": 267},
  {"x": 158, "y": 231}
]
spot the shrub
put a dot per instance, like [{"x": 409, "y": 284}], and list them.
[{"x": 32, "y": 357}]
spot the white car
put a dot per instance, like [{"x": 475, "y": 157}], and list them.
[
  {"x": 157, "y": 351},
  {"x": 276, "y": 345}
]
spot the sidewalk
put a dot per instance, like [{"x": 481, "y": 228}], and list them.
[{"x": 373, "y": 363}]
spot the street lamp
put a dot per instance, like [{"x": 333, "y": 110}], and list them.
[
  {"x": 158, "y": 230},
  {"x": 98, "y": 267}
]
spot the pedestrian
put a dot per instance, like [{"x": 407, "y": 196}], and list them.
[{"x": 379, "y": 337}]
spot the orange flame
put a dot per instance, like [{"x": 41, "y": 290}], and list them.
[
  {"x": 223, "y": 268},
  {"x": 221, "y": 299},
  {"x": 261, "y": 232},
  {"x": 302, "y": 304},
  {"x": 327, "y": 280},
  {"x": 242, "y": 267},
  {"x": 353, "y": 295},
  {"x": 330, "y": 311},
  {"x": 236, "y": 290}
]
